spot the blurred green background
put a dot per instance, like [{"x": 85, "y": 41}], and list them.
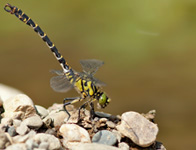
[{"x": 148, "y": 47}]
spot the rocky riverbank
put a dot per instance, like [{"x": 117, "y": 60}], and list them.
[{"x": 26, "y": 126}]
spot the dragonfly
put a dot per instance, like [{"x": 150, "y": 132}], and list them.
[{"x": 88, "y": 87}]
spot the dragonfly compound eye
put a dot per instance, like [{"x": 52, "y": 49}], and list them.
[{"x": 103, "y": 100}]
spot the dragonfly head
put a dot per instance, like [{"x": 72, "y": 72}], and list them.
[{"x": 104, "y": 100}]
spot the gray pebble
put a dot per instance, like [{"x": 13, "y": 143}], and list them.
[
  {"x": 93, "y": 146},
  {"x": 102, "y": 114},
  {"x": 104, "y": 137},
  {"x": 159, "y": 146},
  {"x": 12, "y": 131}
]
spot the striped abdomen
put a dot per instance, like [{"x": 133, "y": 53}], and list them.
[{"x": 27, "y": 20}]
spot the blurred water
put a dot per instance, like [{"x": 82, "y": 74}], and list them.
[{"x": 148, "y": 47}]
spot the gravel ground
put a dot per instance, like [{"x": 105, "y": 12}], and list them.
[{"x": 26, "y": 126}]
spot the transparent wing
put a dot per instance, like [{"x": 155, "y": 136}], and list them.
[
  {"x": 90, "y": 66},
  {"x": 60, "y": 84},
  {"x": 98, "y": 82},
  {"x": 58, "y": 72}
]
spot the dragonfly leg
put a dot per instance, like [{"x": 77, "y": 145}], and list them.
[
  {"x": 71, "y": 101},
  {"x": 92, "y": 111},
  {"x": 82, "y": 107}
]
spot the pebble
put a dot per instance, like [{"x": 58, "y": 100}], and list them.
[
  {"x": 7, "y": 121},
  {"x": 51, "y": 131},
  {"x": 110, "y": 124},
  {"x": 104, "y": 137},
  {"x": 16, "y": 122},
  {"x": 106, "y": 115},
  {"x": 159, "y": 146},
  {"x": 57, "y": 118},
  {"x": 117, "y": 134},
  {"x": 33, "y": 122},
  {"x": 73, "y": 133},
  {"x": 22, "y": 129},
  {"x": 43, "y": 112},
  {"x": 136, "y": 127},
  {"x": 102, "y": 114},
  {"x": 30, "y": 144},
  {"x": 93, "y": 146},
  {"x": 53, "y": 142},
  {"x": 3, "y": 128},
  {"x": 12, "y": 131},
  {"x": 7, "y": 92},
  {"x": 4, "y": 141},
  {"x": 103, "y": 120},
  {"x": 18, "y": 146},
  {"x": 20, "y": 106},
  {"x": 56, "y": 107},
  {"x": 123, "y": 146},
  {"x": 24, "y": 138},
  {"x": 44, "y": 145},
  {"x": 20, "y": 122},
  {"x": 150, "y": 115}
]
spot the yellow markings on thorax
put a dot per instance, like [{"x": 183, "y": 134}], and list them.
[
  {"x": 78, "y": 84},
  {"x": 88, "y": 87},
  {"x": 91, "y": 91}
]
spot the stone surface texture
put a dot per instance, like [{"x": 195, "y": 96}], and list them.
[{"x": 140, "y": 130}]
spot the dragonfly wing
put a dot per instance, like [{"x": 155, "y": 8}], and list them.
[
  {"x": 58, "y": 72},
  {"x": 98, "y": 82},
  {"x": 90, "y": 66},
  {"x": 60, "y": 84}
]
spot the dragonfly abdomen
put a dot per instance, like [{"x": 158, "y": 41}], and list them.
[{"x": 27, "y": 20}]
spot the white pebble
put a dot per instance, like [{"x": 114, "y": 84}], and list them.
[{"x": 136, "y": 127}]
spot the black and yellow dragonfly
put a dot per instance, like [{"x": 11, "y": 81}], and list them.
[{"x": 83, "y": 82}]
